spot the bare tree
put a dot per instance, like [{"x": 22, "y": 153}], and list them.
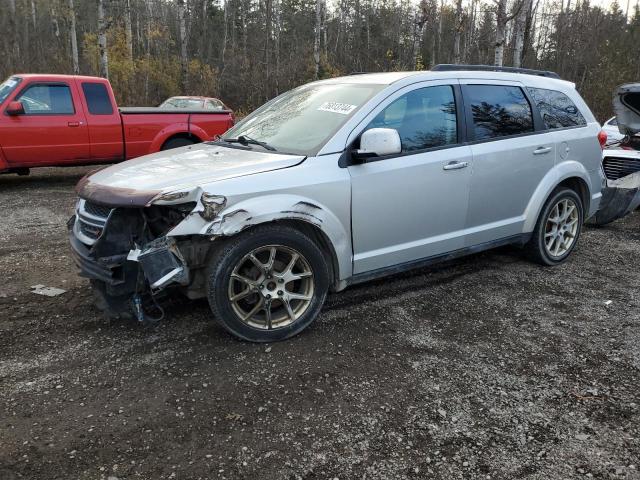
[
  {"x": 102, "y": 40},
  {"x": 501, "y": 26},
  {"x": 74, "y": 38},
  {"x": 184, "y": 59},
  {"x": 127, "y": 27},
  {"x": 519, "y": 32},
  {"x": 316, "y": 38},
  {"x": 457, "y": 34}
]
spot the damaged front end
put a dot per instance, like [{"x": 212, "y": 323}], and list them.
[
  {"x": 130, "y": 259},
  {"x": 621, "y": 162}
]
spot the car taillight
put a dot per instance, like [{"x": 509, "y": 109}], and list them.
[{"x": 602, "y": 138}]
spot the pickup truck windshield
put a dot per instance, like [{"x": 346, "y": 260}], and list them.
[
  {"x": 302, "y": 120},
  {"x": 8, "y": 86}
]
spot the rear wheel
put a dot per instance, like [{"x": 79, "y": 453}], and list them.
[
  {"x": 268, "y": 284},
  {"x": 558, "y": 228},
  {"x": 177, "y": 142}
]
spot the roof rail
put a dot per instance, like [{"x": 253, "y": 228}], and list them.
[{"x": 447, "y": 67}]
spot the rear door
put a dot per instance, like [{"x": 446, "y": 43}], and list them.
[
  {"x": 53, "y": 129},
  {"x": 511, "y": 154},
  {"x": 103, "y": 120}
]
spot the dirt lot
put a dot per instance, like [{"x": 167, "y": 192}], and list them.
[{"x": 486, "y": 367}]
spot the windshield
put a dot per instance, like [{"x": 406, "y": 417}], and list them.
[
  {"x": 8, "y": 86},
  {"x": 182, "y": 103},
  {"x": 302, "y": 120}
]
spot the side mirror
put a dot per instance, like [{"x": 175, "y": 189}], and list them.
[
  {"x": 379, "y": 142},
  {"x": 15, "y": 108}
]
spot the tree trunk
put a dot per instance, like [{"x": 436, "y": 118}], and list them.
[
  {"x": 13, "y": 27},
  {"x": 520, "y": 26},
  {"x": 501, "y": 26},
  {"x": 102, "y": 41},
  {"x": 54, "y": 21},
  {"x": 74, "y": 39},
  {"x": 457, "y": 34},
  {"x": 184, "y": 65},
  {"x": 127, "y": 28},
  {"x": 316, "y": 38},
  {"x": 33, "y": 14}
]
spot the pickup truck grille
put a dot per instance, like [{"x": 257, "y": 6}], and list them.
[
  {"x": 617, "y": 167},
  {"x": 91, "y": 219}
]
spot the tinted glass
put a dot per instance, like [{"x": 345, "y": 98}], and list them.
[
  {"x": 302, "y": 120},
  {"x": 498, "y": 110},
  {"x": 557, "y": 110},
  {"x": 97, "y": 98},
  {"x": 424, "y": 118},
  {"x": 47, "y": 99}
]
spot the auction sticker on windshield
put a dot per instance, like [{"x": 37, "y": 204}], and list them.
[{"x": 336, "y": 107}]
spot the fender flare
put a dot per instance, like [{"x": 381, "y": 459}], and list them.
[
  {"x": 555, "y": 176},
  {"x": 172, "y": 130},
  {"x": 260, "y": 210}
]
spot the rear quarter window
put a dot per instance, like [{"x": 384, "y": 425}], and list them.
[
  {"x": 97, "y": 97},
  {"x": 556, "y": 108}
]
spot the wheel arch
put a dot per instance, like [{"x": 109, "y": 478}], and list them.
[
  {"x": 304, "y": 214},
  {"x": 570, "y": 174}
]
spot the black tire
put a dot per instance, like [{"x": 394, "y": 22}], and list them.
[
  {"x": 234, "y": 250},
  {"x": 177, "y": 142},
  {"x": 536, "y": 248}
]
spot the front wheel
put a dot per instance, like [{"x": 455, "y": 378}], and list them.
[
  {"x": 268, "y": 284},
  {"x": 558, "y": 228}
]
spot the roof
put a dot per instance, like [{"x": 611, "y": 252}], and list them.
[
  {"x": 56, "y": 76},
  {"x": 406, "y": 78}
]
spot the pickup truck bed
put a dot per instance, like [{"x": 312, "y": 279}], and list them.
[{"x": 60, "y": 120}]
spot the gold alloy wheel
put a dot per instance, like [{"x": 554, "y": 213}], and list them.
[
  {"x": 561, "y": 228},
  {"x": 271, "y": 287}
]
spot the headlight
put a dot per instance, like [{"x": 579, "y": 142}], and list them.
[{"x": 212, "y": 205}]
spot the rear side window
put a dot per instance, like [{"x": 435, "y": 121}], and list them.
[
  {"x": 424, "y": 118},
  {"x": 557, "y": 110},
  {"x": 47, "y": 100},
  {"x": 97, "y": 97},
  {"x": 498, "y": 111}
]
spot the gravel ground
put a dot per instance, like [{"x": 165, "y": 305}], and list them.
[{"x": 485, "y": 367}]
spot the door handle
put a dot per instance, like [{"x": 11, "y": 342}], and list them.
[
  {"x": 541, "y": 150},
  {"x": 74, "y": 124},
  {"x": 455, "y": 165}
]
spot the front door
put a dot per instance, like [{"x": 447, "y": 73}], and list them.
[
  {"x": 52, "y": 131},
  {"x": 412, "y": 205}
]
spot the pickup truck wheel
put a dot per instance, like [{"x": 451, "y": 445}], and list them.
[
  {"x": 267, "y": 285},
  {"x": 558, "y": 228},
  {"x": 177, "y": 142}
]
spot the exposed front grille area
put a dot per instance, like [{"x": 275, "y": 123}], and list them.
[
  {"x": 96, "y": 209},
  {"x": 618, "y": 167},
  {"x": 90, "y": 221}
]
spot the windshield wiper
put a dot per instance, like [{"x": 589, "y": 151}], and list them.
[{"x": 246, "y": 140}]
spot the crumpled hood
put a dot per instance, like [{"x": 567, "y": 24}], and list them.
[
  {"x": 626, "y": 104},
  {"x": 136, "y": 182}
]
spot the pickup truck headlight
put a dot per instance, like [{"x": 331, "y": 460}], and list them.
[{"x": 212, "y": 205}]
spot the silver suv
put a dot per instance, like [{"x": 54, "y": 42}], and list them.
[{"x": 339, "y": 182}]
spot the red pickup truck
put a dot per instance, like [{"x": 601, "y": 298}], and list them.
[{"x": 60, "y": 120}]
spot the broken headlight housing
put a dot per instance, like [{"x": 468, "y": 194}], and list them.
[{"x": 162, "y": 218}]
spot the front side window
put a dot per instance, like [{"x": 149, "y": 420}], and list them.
[
  {"x": 8, "y": 86},
  {"x": 498, "y": 110},
  {"x": 47, "y": 99},
  {"x": 557, "y": 110},
  {"x": 302, "y": 120},
  {"x": 97, "y": 97},
  {"x": 424, "y": 118}
]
